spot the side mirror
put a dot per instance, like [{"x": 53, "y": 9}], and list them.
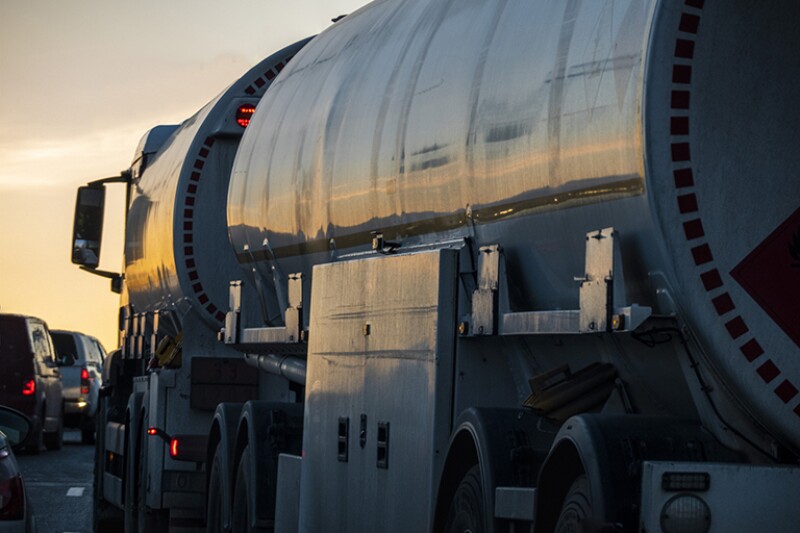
[
  {"x": 66, "y": 359},
  {"x": 87, "y": 229},
  {"x": 15, "y": 426}
]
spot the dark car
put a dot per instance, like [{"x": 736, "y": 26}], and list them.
[
  {"x": 15, "y": 512},
  {"x": 81, "y": 381},
  {"x": 30, "y": 378}
]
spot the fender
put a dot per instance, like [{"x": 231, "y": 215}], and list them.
[
  {"x": 508, "y": 444},
  {"x": 267, "y": 429},
  {"x": 133, "y": 416},
  {"x": 610, "y": 449}
]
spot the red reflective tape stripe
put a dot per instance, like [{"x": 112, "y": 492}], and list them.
[
  {"x": 192, "y": 188},
  {"x": 693, "y": 229},
  {"x": 684, "y": 48},
  {"x": 190, "y": 263},
  {"x": 681, "y": 152},
  {"x": 220, "y": 316},
  {"x": 209, "y": 142},
  {"x": 197, "y": 287},
  {"x": 203, "y": 299},
  {"x": 702, "y": 254},
  {"x": 195, "y": 176},
  {"x": 786, "y": 391},
  {"x": 682, "y": 74},
  {"x": 736, "y": 327},
  {"x": 187, "y": 225},
  {"x": 768, "y": 371},
  {"x": 188, "y": 250},
  {"x": 711, "y": 280},
  {"x": 687, "y": 203},
  {"x": 752, "y": 350},
  {"x": 723, "y": 304},
  {"x": 689, "y": 23},
  {"x": 204, "y": 152},
  {"x": 250, "y": 91},
  {"x": 679, "y": 126},
  {"x": 680, "y": 100},
  {"x": 683, "y": 177},
  {"x": 193, "y": 275}
]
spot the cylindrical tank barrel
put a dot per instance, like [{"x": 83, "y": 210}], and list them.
[{"x": 529, "y": 124}]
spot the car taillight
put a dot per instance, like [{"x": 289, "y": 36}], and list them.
[
  {"x": 29, "y": 387},
  {"x": 84, "y": 381},
  {"x": 12, "y": 499}
]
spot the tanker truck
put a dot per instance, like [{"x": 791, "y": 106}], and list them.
[{"x": 468, "y": 266}]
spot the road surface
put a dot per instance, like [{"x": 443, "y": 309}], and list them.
[{"x": 59, "y": 486}]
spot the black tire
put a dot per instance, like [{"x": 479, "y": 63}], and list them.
[
  {"x": 576, "y": 510},
  {"x": 36, "y": 440},
  {"x": 240, "y": 513},
  {"x": 215, "y": 505},
  {"x": 55, "y": 440},
  {"x": 87, "y": 435},
  {"x": 466, "y": 509}
]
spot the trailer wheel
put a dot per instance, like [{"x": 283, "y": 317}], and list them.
[
  {"x": 240, "y": 514},
  {"x": 576, "y": 510},
  {"x": 466, "y": 509},
  {"x": 214, "y": 500}
]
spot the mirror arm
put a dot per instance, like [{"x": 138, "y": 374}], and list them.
[
  {"x": 116, "y": 279},
  {"x": 124, "y": 177}
]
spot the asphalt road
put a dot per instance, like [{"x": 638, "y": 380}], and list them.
[{"x": 59, "y": 485}]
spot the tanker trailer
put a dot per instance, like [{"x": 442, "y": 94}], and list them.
[
  {"x": 170, "y": 372},
  {"x": 524, "y": 266},
  {"x": 552, "y": 250}
]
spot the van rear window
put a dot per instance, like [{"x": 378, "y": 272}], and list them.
[
  {"x": 14, "y": 341},
  {"x": 65, "y": 343}
]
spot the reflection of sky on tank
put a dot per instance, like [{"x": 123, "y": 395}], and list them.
[
  {"x": 481, "y": 136},
  {"x": 152, "y": 272}
]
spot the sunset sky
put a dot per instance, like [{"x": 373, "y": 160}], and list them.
[{"x": 80, "y": 83}]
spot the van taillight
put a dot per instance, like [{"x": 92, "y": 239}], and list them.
[
  {"x": 84, "y": 381},
  {"x": 29, "y": 387},
  {"x": 12, "y": 506}
]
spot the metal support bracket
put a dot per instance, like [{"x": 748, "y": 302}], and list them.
[
  {"x": 290, "y": 338},
  {"x": 600, "y": 292}
]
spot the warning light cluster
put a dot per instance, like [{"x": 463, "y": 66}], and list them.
[{"x": 244, "y": 113}]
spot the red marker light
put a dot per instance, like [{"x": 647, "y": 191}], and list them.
[
  {"x": 244, "y": 113},
  {"x": 152, "y": 431},
  {"x": 173, "y": 447},
  {"x": 29, "y": 387}
]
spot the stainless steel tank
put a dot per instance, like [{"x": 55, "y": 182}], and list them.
[
  {"x": 529, "y": 124},
  {"x": 177, "y": 256}
]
